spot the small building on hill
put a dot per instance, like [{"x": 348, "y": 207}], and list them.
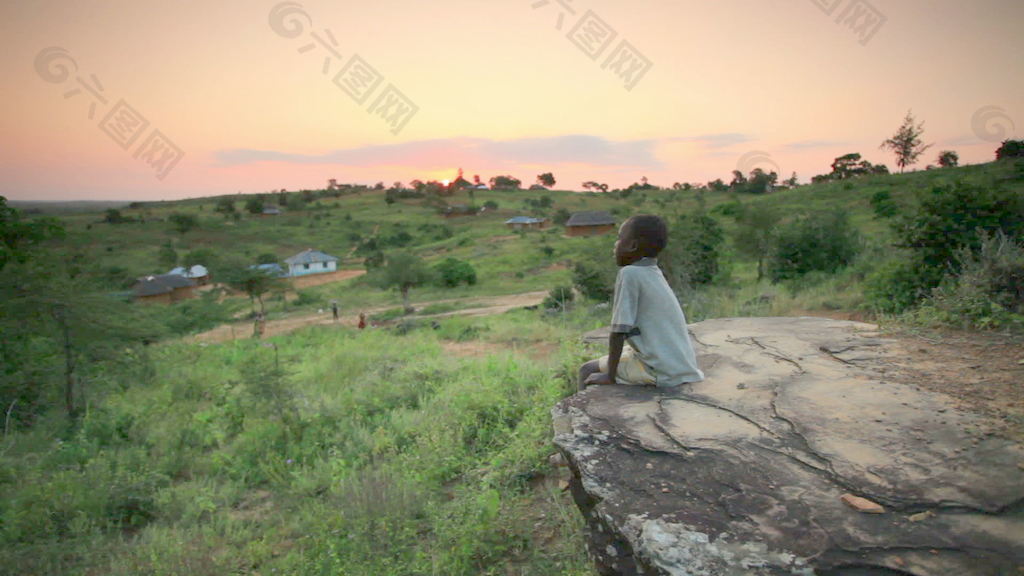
[
  {"x": 523, "y": 222},
  {"x": 311, "y": 261},
  {"x": 164, "y": 288},
  {"x": 590, "y": 223},
  {"x": 274, "y": 270},
  {"x": 197, "y": 273},
  {"x": 271, "y": 210}
]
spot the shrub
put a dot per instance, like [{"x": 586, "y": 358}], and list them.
[
  {"x": 895, "y": 286},
  {"x": 883, "y": 204},
  {"x": 693, "y": 252},
  {"x": 559, "y": 298},
  {"x": 988, "y": 291},
  {"x": 593, "y": 272},
  {"x": 822, "y": 242},
  {"x": 451, "y": 272}
]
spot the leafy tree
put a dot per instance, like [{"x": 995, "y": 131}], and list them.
[
  {"x": 114, "y": 216},
  {"x": 254, "y": 282},
  {"x": 451, "y": 272},
  {"x": 226, "y": 206},
  {"x": 595, "y": 186},
  {"x": 883, "y": 204},
  {"x": 561, "y": 216},
  {"x": 18, "y": 235},
  {"x": 948, "y": 159},
  {"x": 254, "y": 205},
  {"x": 505, "y": 183},
  {"x": 693, "y": 252},
  {"x": 761, "y": 182},
  {"x": 906, "y": 142},
  {"x": 559, "y": 298},
  {"x": 404, "y": 271},
  {"x": 546, "y": 179},
  {"x": 593, "y": 271},
  {"x": 183, "y": 222},
  {"x": 1010, "y": 149},
  {"x": 717, "y": 185},
  {"x": 754, "y": 235},
  {"x": 822, "y": 242}
]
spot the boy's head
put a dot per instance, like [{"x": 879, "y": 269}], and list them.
[{"x": 640, "y": 236}]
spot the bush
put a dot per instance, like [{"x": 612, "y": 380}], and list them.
[
  {"x": 593, "y": 272},
  {"x": 692, "y": 255},
  {"x": 1010, "y": 149},
  {"x": 896, "y": 286},
  {"x": 822, "y": 242},
  {"x": 988, "y": 291},
  {"x": 451, "y": 272},
  {"x": 559, "y": 298},
  {"x": 883, "y": 204}
]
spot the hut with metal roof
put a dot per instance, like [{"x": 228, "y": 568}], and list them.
[
  {"x": 590, "y": 223},
  {"x": 522, "y": 222},
  {"x": 311, "y": 261}
]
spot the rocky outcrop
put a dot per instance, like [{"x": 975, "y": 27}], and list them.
[{"x": 799, "y": 454}]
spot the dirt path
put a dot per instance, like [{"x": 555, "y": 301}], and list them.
[{"x": 483, "y": 306}]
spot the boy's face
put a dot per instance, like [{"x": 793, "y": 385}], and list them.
[{"x": 626, "y": 246}]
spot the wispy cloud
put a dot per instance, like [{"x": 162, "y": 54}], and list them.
[
  {"x": 570, "y": 149},
  {"x": 722, "y": 140},
  {"x": 812, "y": 144}
]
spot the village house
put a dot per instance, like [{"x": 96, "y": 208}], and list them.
[
  {"x": 590, "y": 223},
  {"x": 164, "y": 288},
  {"x": 523, "y": 222},
  {"x": 197, "y": 273},
  {"x": 271, "y": 211},
  {"x": 459, "y": 210},
  {"x": 311, "y": 261}
]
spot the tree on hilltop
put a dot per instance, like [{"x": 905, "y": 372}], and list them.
[
  {"x": 546, "y": 179},
  {"x": 404, "y": 271},
  {"x": 906, "y": 142}
]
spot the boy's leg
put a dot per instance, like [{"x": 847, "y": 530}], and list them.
[{"x": 592, "y": 367}]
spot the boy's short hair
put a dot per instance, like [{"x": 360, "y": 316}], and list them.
[{"x": 650, "y": 232}]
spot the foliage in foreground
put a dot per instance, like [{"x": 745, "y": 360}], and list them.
[{"x": 333, "y": 451}]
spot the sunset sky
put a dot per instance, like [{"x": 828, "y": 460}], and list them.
[{"x": 192, "y": 98}]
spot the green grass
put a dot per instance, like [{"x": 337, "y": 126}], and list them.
[{"x": 373, "y": 453}]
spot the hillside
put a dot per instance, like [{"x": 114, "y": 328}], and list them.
[{"x": 418, "y": 446}]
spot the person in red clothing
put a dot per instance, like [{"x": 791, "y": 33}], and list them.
[{"x": 362, "y": 320}]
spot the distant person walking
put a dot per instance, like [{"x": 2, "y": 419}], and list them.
[
  {"x": 362, "y": 320},
  {"x": 334, "y": 309},
  {"x": 260, "y": 327}
]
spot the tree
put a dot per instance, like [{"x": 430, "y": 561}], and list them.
[
  {"x": 595, "y": 186},
  {"x": 17, "y": 236},
  {"x": 906, "y": 142},
  {"x": 451, "y": 272},
  {"x": 1010, "y": 149},
  {"x": 822, "y": 242},
  {"x": 546, "y": 179},
  {"x": 505, "y": 183},
  {"x": 254, "y": 205},
  {"x": 114, "y": 216},
  {"x": 183, "y": 222},
  {"x": 754, "y": 235},
  {"x": 948, "y": 159},
  {"x": 255, "y": 282},
  {"x": 693, "y": 251},
  {"x": 404, "y": 271},
  {"x": 225, "y": 206}
]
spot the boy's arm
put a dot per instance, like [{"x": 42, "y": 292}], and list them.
[{"x": 615, "y": 343}]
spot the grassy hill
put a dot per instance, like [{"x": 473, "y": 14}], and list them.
[{"x": 413, "y": 449}]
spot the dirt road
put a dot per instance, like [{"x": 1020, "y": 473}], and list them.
[{"x": 483, "y": 306}]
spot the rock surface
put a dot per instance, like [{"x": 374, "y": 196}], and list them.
[{"x": 745, "y": 472}]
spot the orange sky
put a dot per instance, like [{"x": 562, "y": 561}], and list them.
[{"x": 494, "y": 87}]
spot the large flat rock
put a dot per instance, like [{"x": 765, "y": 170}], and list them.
[{"x": 745, "y": 472}]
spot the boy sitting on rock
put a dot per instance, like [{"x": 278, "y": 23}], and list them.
[{"x": 649, "y": 343}]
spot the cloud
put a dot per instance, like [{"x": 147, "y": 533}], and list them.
[
  {"x": 722, "y": 140},
  {"x": 569, "y": 149},
  {"x": 811, "y": 144}
]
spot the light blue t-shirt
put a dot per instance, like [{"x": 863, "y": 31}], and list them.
[{"x": 646, "y": 310}]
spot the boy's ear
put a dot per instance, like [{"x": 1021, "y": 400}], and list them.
[{"x": 632, "y": 245}]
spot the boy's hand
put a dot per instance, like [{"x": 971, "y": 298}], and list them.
[{"x": 599, "y": 378}]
